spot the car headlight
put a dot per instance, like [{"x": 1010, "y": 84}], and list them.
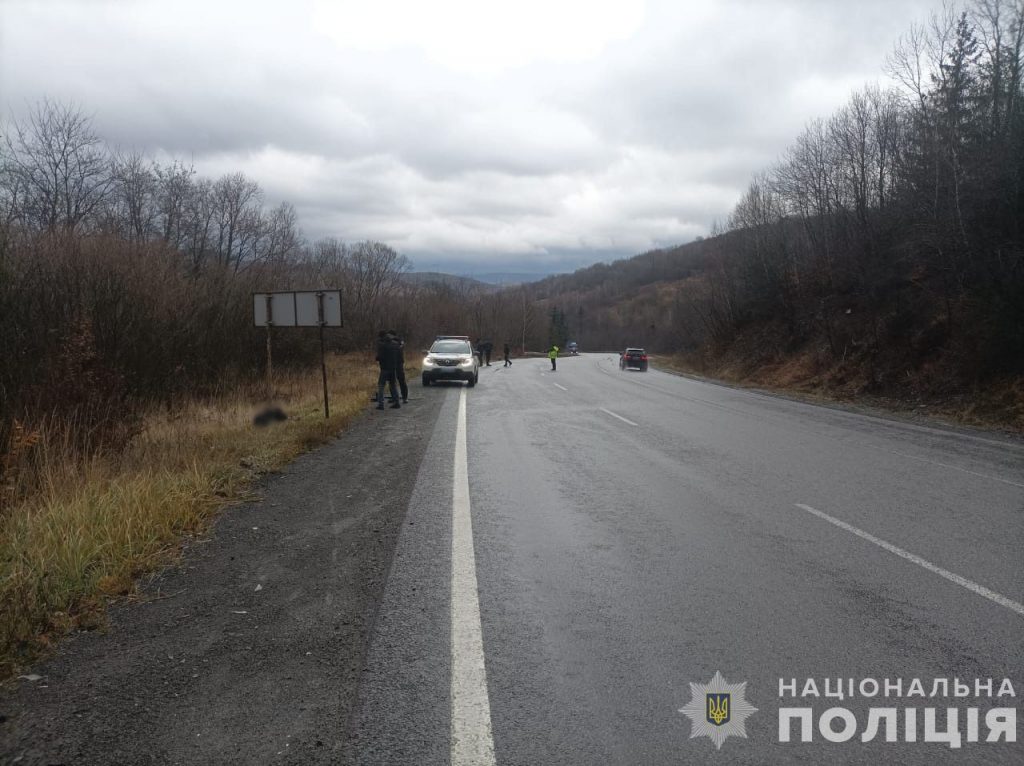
[
  {"x": 466, "y": 362},
  {"x": 428, "y": 362}
]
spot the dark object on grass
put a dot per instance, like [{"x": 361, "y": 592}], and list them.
[{"x": 268, "y": 416}]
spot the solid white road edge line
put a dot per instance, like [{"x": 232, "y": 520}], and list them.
[
  {"x": 561, "y": 387},
  {"x": 956, "y": 468},
  {"x": 972, "y": 586},
  {"x": 624, "y": 420},
  {"x": 472, "y": 742}
]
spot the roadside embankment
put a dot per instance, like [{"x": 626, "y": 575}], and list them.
[
  {"x": 89, "y": 526},
  {"x": 998, "y": 404}
]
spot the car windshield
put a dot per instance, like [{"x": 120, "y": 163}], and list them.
[{"x": 450, "y": 347}]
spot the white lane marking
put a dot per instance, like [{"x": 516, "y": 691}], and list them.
[
  {"x": 785, "y": 398},
  {"x": 972, "y": 586},
  {"x": 955, "y": 468},
  {"x": 561, "y": 387},
  {"x": 624, "y": 420},
  {"x": 472, "y": 742}
]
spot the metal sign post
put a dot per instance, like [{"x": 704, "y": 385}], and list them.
[
  {"x": 323, "y": 360},
  {"x": 299, "y": 308},
  {"x": 270, "y": 358}
]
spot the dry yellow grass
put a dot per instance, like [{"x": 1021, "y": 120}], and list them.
[{"x": 90, "y": 527}]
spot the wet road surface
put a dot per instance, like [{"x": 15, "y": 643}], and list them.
[{"x": 636, "y": 532}]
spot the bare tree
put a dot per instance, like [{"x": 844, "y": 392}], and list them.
[
  {"x": 907, "y": 63},
  {"x": 889, "y": 132},
  {"x": 282, "y": 241},
  {"x": 237, "y": 199},
  {"x": 200, "y": 214},
  {"x": 59, "y": 166},
  {"x": 134, "y": 195},
  {"x": 173, "y": 187},
  {"x": 374, "y": 271}
]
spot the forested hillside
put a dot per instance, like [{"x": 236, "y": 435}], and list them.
[{"x": 882, "y": 253}]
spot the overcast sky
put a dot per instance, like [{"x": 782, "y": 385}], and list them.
[{"x": 472, "y": 136}]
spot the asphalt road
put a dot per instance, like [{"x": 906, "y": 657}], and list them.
[
  {"x": 536, "y": 570},
  {"x": 636, "y": 532}
]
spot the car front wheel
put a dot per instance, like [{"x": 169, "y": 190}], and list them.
[{"x": 426, "y": 380}]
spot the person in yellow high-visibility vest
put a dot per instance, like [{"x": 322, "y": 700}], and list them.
[{"x": 553, "y": 355}]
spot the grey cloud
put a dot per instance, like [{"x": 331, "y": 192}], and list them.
[{"x": 548, "y": 163}]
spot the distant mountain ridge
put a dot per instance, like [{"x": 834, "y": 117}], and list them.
[
  {"x": 448, "y": 280},
  {"x": 489, "y": 280},
  {"x": 511, "y": 278}
]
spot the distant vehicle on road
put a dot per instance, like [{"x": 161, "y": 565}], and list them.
[
  {"x": 572, "y": 348},
  {"x": 633, "y": 359},
  {"x": 451, "y": 358}
]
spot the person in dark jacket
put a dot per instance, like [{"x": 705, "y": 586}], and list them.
[
  {"x": 388, "y": 354},
  {"x": 400, "y": 369},
  {"x": 487, "y": 347},
  {"x": 508, "y": 356}
]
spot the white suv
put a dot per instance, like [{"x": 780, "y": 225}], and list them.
[{"x": 451, "y": 358}]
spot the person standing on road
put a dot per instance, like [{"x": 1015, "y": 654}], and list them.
[
  {"x": 400, "y": 369},
  {"x": 508, "y": 359},
  {"x": 553, "y": 355},
  {"x": 487, "y": 347},
  {"x": 478, "y": 350},
  {"x": 388, "y": 353}
]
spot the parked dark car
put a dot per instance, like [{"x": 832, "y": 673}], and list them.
[{"x": 633, "y": 359}]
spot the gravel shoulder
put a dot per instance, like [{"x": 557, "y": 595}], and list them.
[{"x": 251, "y": 649}]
